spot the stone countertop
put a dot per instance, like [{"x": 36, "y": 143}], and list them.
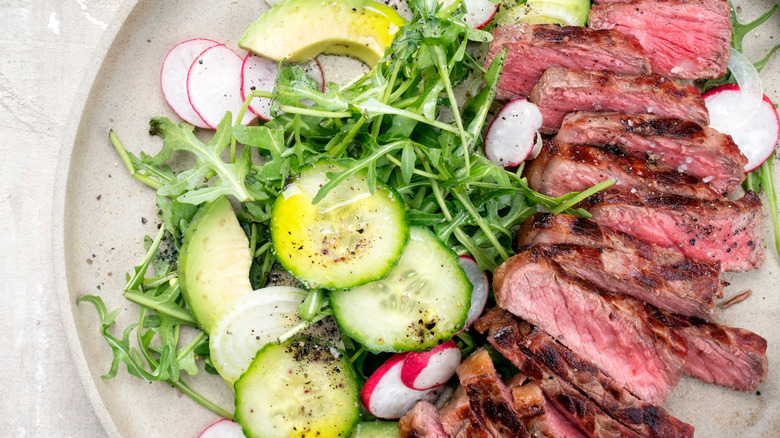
[{"x": 46, "y": 46}]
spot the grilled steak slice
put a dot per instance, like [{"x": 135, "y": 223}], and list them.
[
  {"x": 546, "y": 228},
  {"x": 540, "y": 415},
  {"x": 561, "y": 168},
  {"x": 542, "y": 358},
  {"x": 531, "y": 49},
  {"x": 690, "y": 148},
  {"x": 458, "y": 420},
  {"x": 561, "y": 91},
  {"x": 667, "y": 288},
  {"x": 729, "y": 232},
  {"x": 617, "y": 333},
  {"x": 489, "y": 398},
  {"x": 684, "y": 39},
  {"x": 726, "y": 356},
  {"x": 421, "y": 422}
]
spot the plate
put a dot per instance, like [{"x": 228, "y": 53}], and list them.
[{"x": 101, "y": 214}]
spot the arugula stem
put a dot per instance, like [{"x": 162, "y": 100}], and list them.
[
  {"x": 190, "y": 346},
  {"x": 464, "y": 199},
  {"x": 303, "y": 325},
  {"x": 582, "y": 195},
  {"x": 342, "y": 145},
  {"x": 128, "y": 161},
  {"x": 203, "y": 401},
  {"x": 416, "y": 171},
  {"x": 312, "y": 112},
  {"x": 444, "y": 73},
  {"x": 771, "y": 196},
  {"x": 140, "y": 272},
  {"x": 143, "y": 300}
]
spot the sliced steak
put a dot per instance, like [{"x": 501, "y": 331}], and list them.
[
  {"x": 561, "y": 91},
  {"x": 542, "y": 358},
  {"x": 684, "y": 39},
  {"x": 669, "y": 289},
  {"x": 617, "y": 333},
  {"x": 533, "y": 48},
  {"x": 726, "y": 356},
  {"x": 546, "y": 228},
  {"x": 489, "y": 398},
  {"x": 561, "y": 168},
  {"x": 457, "y": 419},
  {"x": 726, "y": 231},
  {"x": 421, "y": 422},
  {"x": 689, "y": 147},
  {"x": 540, "y": 416}
]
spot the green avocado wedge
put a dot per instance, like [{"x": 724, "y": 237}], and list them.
[
  {"x": 214, "y": 262},
  {"x": 298, "y": 30}
]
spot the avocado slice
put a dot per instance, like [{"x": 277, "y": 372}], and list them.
[
  {"x": 214, "y": 263},
  {"x": 298, "y": 30}
]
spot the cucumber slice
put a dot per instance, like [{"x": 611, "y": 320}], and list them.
[
  {"x": 376, "y": 429},
  {"x": 348, "y": 238},
  {"x": 422, "y": 302},
  {"x": 214, "y": 262},
  {"x": 563, "y": 12},
  {"x": 254, "y": 320},
  {"x": 301, "y": 388}
]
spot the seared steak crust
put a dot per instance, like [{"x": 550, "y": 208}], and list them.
[
  {"x": 490, "y": 401},
  {"x": 561, "y": 168},
  {"x": 726, "y": 356},
  {"x": 421, "y": 422},
  {"x": 546, "y": 228},
  {"x": 684, "y": 39},
  {"x": 457, "y": 419},
  {"x": 725, "y": 231},
  {"x": 535, "y": 48},
  {"x": 689, "y": 147},
  {"x": 561, "y": 91},
  {"x": 542, "y": 358},
  {"x": 616, "y": 332},
  {"x": 665, "y": 287}
]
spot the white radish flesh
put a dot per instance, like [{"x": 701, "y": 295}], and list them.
[
  {"x": 429, "y": 369},
  {"x": 385, "y": 396},
  {"x": 738, "y": 112},
  {"x": 757, "y": 136},
  {"x": 479, "y": 294},
  {"x": 259, "y": 73},
  {"x": 214, "y": 85},
  {"x": 479, "y": 13},
  {"x": 511, "y": 136},
  {"x": 223, "y": 429},
  {"x": 173, "y": 78}
]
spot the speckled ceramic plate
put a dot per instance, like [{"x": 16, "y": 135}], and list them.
[{"x": 101, "y": 214}]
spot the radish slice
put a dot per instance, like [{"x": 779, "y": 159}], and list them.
[
  {"x": 223, "y": 429},
  {"x": 259, "y": 73},
  {"x": 479, "y": 294},
  {"x": 511, "y": 135},
  {"x": 173, "y": 78},
  {"x": 214, "y": 85},
  {"x": 429, "y": 369},
  {"x": 757, "y": 136},
  {"x": 478, "y": 12},
  {"x": 738, "y": 112},
  {"x": 386, "y": 396}
]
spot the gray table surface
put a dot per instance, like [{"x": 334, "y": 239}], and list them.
[{"x": 45, "y": 47}]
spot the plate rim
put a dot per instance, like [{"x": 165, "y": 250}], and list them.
[{"x": 58, "y": 229}]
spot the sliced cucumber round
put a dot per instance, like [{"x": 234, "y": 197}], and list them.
[
  {"x": 422, "y": 302},
  {"x": 301, "y": 388},
  {"x": 563, "y": 12},
  {"x": 376, "y": 429},
  {"x": 348, "y": 238},
  {"x": 214, "y": 262},
  {"x": 255, "y": 319}
]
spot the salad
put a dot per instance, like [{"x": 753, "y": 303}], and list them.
[{"x": 410, "y": 131}]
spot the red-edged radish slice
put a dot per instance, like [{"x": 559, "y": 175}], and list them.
[
  {"x": 511, "y": 135},
  {"x": 214, "y": 85},
  {"x": 259, "y": 73},
  {"x": 223, "y": 429},
  {"x": 429, "y": 369},
  {"x": 757, "y": 137},
  {"x": 478, "y": 12},
  {"x": 173, "y": 77},
  {"x": 386, "y": 396},
  {"x": 479, "y": 294}
]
